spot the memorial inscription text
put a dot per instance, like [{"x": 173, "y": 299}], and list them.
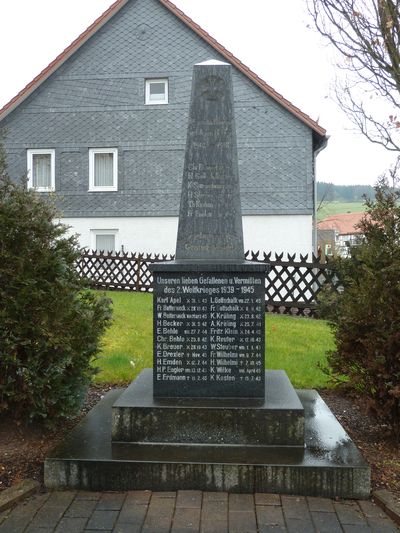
[{"x": 209, "y": 328}]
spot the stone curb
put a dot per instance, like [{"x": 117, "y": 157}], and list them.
[
  {"x": 388, "y": 503},
  {"x": 18, "y": 492}
]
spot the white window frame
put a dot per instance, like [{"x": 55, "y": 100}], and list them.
[
  {"x": 92, "y": 153},
  {"x": 40, "y": 151},
  {"x": 147, "y": 91},
  {"x": 95, "y": 232}
]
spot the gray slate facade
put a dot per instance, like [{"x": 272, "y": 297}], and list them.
[{"x": 96, "y": 99}]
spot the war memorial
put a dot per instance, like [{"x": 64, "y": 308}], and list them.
[{"x": 208, "y": 415}]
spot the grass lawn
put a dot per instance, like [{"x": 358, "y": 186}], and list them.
[
  {"x": 336, "y": 208},
  {"x": 296, "y": 345}
]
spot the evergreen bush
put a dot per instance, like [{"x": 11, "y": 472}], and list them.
[
  {"x": 50, "y": 326},
  {"x": 365, "y": 316}
]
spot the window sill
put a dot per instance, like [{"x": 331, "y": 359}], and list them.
[{"x": 103, "y": 189}]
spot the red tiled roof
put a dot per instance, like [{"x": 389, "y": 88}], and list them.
[
  {"x": 343, "y": 223},
  {"x": 110, "y": 12}
]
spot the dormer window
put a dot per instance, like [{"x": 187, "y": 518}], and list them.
[
  {"x": 41, "y": 170},
  {"x": 156, "y": 91}
]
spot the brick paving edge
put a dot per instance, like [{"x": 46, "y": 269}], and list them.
[
  {"x": 18, "y": 492},
  {"x": 388, "y": 503}
]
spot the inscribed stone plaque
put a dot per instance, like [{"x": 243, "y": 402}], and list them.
[{"x": 209, "y": 331}]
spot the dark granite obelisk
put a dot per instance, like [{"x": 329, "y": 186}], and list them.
[
  {"x": 210, "y": 217},
  {"x": 209, "y": 304}
]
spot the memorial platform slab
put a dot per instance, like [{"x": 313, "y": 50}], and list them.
[{"x": 329, "y": 465}]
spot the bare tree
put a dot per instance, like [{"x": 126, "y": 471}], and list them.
[{"x": 367, "y": 35}]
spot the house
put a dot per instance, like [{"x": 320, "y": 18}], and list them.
[
  {"x": 104, "y": 126},
  {"x": 343, "y": 232}
]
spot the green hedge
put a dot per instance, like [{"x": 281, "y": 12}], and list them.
[{"x": 50, "y": 326}]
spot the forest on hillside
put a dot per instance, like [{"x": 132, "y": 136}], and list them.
[{"x": 329, "y": 192}]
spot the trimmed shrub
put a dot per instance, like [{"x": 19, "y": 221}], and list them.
[
  {"x": 50, "y": 326},
  {"x": 365, "y": 316}
]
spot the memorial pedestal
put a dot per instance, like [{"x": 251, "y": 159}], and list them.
[
  {"x": 277, "y": 420},
  {"x": 327, "y": 465}
]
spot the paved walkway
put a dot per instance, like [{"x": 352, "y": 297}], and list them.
[{"x": 191, "y": 512}]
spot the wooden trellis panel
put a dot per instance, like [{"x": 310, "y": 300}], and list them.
[{"x": 291, "y": 285}]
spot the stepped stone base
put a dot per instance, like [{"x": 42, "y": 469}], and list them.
[
  {"x": 278, "y": 420},
  {"x": 328, "y": 466}
]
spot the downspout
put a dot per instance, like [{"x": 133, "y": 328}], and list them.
[{"x": 320, "y": 145}]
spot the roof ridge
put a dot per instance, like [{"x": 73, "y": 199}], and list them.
[
  {"x": 114, "y": 8},
  {"x": 63, "y": 56}
]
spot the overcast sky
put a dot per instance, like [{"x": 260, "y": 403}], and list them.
[{"x": 272, "y": 37}]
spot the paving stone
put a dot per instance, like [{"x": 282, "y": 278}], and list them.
[
  {"x": 296, "y": 507},
  {"x": 241, "y": 502},
  {"x": 111, "y": 501},
  {"x": 349, "y": 513},
  {"x": 215, "y": 496},
  {"x": 71, "y": 525},
  {"x": 186, "y": 520},
  {"x": 320, "y": 505},
  {"x": 296, "y": 525},
  {"x": 271, "y": 529},
  {"x": 33, "y": 529},
  {"x": 242, "y": 522},
  {"x": 159, "y": 515},
  {"x": 132, "y": 513},
  {"x": 48, "y": 516},
  {"x": 270, "y": 516},
  {"x": 138, "y": 496},
  {"x": 263, "y": 498},
  {"x": 163, "y": 495},
  {"x": 382, "y": 525},
  {"x": 189, "y": 499},
  {"x": 21, "y": 516},
  {"x": 102, "y": 520},
  {"x": 127, "y": 528},
  {"x": 359, "y": 528},
  {"x": 60, "y": 499},
  {"x": 370, "y": 509},
  {"x": 88, "y": 495},
  {"x": 80, "y": 509},
  {"x": 214, "y": 516},
  {"x": 4, "y": 515},
  {"x": 326, "y": 522}
]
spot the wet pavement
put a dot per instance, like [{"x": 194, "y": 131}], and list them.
[{"x": 191, "y": 512}]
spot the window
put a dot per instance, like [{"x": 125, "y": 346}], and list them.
[
  {"x": 103, "y": 169},
  {"x": 41, "y": 170},
  {"x": 157, "y": 91},
  {"x": 104, "y": 240}
]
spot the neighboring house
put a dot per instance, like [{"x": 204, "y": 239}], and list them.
[
  {"x": 346, "y": 234},
  {"x": 326, "y": 243},
  {"x": 104, "y": 125}
]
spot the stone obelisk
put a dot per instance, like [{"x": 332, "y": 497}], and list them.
[
  {"x": 210, "y": 218},
  {"x": 209, "y": 303}
]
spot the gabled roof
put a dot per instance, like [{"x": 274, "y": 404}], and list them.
[
  {"x": 109, "y": 13},
  {"x": 343, "y": 223}
]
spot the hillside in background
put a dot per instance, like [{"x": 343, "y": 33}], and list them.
[
  {"x": 337, "y": 199},
  {"x": 328, "y": 192}
]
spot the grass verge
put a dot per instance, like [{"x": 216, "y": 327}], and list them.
[{"x": 296, "y": 345}]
